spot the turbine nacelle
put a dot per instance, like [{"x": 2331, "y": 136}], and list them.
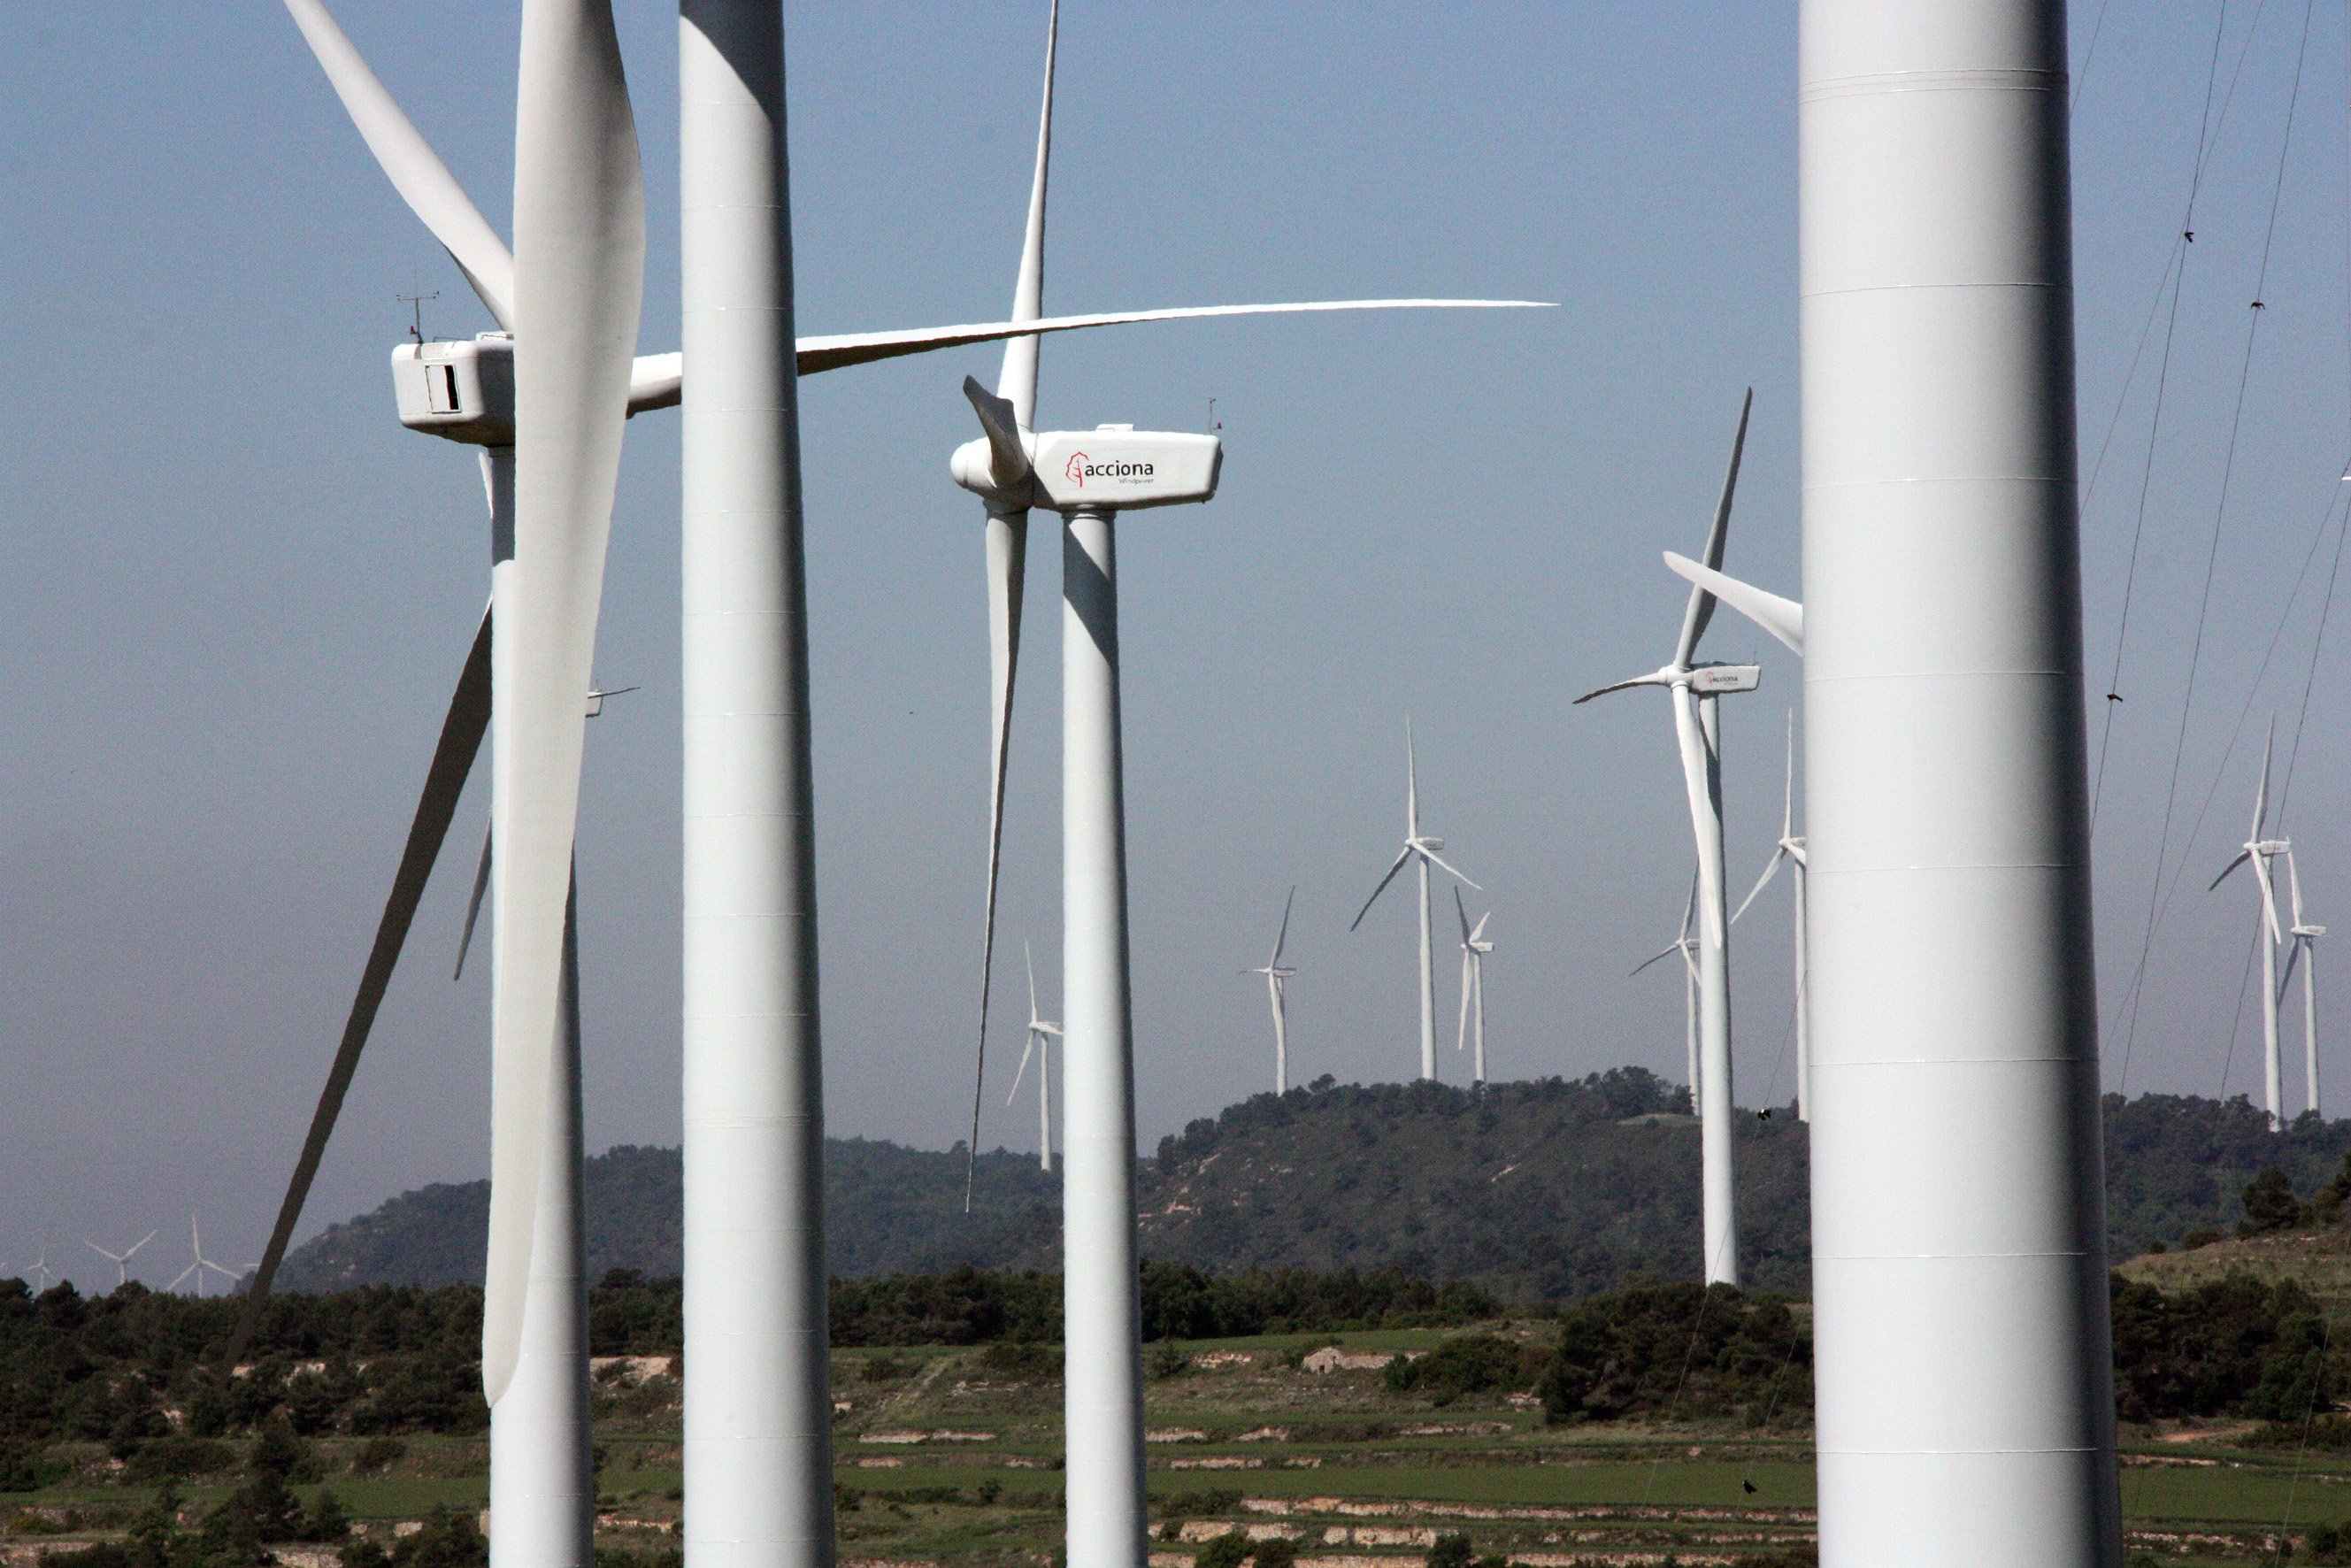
[{"x": 1113, "y": 467}]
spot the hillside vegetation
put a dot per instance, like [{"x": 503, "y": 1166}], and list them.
[{"x": 1549, "y": 1189}]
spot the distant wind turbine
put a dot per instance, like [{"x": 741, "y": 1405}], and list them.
[
  {"x": 1041, "y": 1036},
  {"x": 197, "y": 1269},
  {"x": 2305, "y": 949},
  {"x": 41, "y": 1269},
  {"x": 1277, "y": 985},
  {"x": 1422, "y": 849},
  {"x": 121, "y": 1260},
  {"x": 2258, "y": 851},
  {"x": 1474, "y": 948},
  {"x": 1694, "y": 688},
  {"x": 1687, "y": 945},
  {"x": 1790, "y": 851}
]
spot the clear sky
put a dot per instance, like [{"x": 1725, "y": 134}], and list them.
[{"x": 234, "y": 591}]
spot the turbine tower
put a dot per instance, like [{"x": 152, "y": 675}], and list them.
[
  {"x": 1277, "y": 989},
  {"x": 1041, "y": 1036},
  {"x": 121, "y": 1260},
  {"x": 1791, "y": 852},
  {"x": 2258, "y": 851},
  {"x": 1963, "y": 1359},
  {"x": 1694, "y": 688},
  {"x": 1474, "y": 948},
  {"x": 1421, "y": 851},
  {"x": 2305, "y": 950}
]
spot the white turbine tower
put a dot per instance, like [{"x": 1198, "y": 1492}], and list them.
[
  {"x": 1687, "y": 945},
  {"x": 2258, "y": 851},
  {"x": 1276, "y": 994},
  {"x": 1039, "y": 1044},
  {"x": 1694, "y": 688},
  {"x": 1474, "y": 948},
  {"x": 2305, "y": 950},
  {"x": 41, "y": 1268},
  {"x": 1421, "y": 851},
  {"x": 121, "y": 1260},
  {"x": 1791, "y": 852},
  {"x": 1963, "y": 1356}
]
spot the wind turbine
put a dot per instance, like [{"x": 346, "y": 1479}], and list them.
[
  {"x": 1687, "y": 945},
  {"x": 1422, "y": 852},
  {"x": 197, "y": 1269},
  {"x": 41, "y": 1268},
  {"x": 1041, "y": 1036},
  {"x": 1001, "y": 469},
  {"x": 1694, "y": 688},
  {"x": 1474, "y": 948},
  {"x": 1276, "y": 985},
  {"x": 121, "y": 1260},
  {"x": 1790, "y": 850},
  {"x": 2305, "y": 948},
  {"x": 2258, "y": 851}
]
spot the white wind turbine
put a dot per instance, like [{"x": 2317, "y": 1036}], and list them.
[
  {"x": 1003, "y": 470},
  {"x": 1474, "y": 948},
  {"x": 1041, "y": 1036},
  {"x": 197, "y": 1269},
  {"x": 1687, "y": 945},
  {"x": 1277, "y": 993},
  {"x": 1790, "y": 850},
  {"x": 1421, "y": 851},
  {"x": 1694, "y": 688},
  {"x": 2304, "y": 949},
  {"x": 121, "y": 1260},
  {"x": 41, "y": 1268},
  {"x": 2258, "y": 851}
]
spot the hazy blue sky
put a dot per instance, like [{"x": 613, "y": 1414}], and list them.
[{"x": 233, "y": 592}]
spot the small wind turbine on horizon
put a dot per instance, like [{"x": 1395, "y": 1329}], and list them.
[
  {"x": 1276, "y": 980},
  {"x": 1790, "y": 850},
  {"x": 1419, "y": 848},
  {"x": 197, "y": 1269},
  {"x": 2304, "y": 949},
  {"x": 41, "y": 1268},
  {"x": 1041, "y": 1036},
  {"x": 121, "y": 1260},
  {"x": 1474, "y": 948},
  {"x": 1695, "y": 687},
  {"x": 2258, "y": 850},
  {"x": 1687, "y": 945}
]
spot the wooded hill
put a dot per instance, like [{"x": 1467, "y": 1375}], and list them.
[{"x": 1550, "y": 1189}]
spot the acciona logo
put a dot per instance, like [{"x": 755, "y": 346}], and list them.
[{"x": 1081, "y": 468}]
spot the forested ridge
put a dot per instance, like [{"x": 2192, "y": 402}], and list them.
[{"x": 1549, "y": 1189}]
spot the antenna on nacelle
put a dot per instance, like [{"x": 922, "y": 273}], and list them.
[{"x": 416, "y": 304}]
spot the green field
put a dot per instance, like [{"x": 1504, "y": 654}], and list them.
[{"x": 945, "y": 1458}]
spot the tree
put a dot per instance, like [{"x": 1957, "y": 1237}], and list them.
[{"x": 2269, "y": 1205}]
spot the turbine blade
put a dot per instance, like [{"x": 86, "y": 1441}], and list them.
[
  {"x": 1788, "y": 795},
  {"x": 1461, "y": 1035},
  {"x": 2261, "y": 793},
  {"x": 1402, "y": 855},
  {"x": 1771, "y": 869},
  {"x": 838, "y": 351},
  {"x": 416, "y": 172},
  {"x": 1783, "y": 617},
  {"x": 1688, "y": 731},
  {"x": 2293, "y": 885},
  {"x": 1667, "y": 952},
  {"x": 1008, "y": 459},
  {"x": 1461, "y": 913},
  {"x": 2242, "y": 856},
  {"x": 1281, "y": 937},
  {"x": 579, "y": 253},
  {"x": 1026, "y": 1052},
  {"x": 1652, "y": 679},
  {"x": 1434, "y": 858},
  {"x": 2269, "y": 897},
  {"x": 1701, "y": 602},
  {"x": 1017, "y": 383},
  {"x": 1007, "y": 568},
  {"x": 474, "y": 906},
  {"x": 453, "y": 758}
]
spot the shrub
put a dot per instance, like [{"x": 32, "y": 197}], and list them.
[
  {"x": 1452, "y": 1551},
  {"x": 2271, "y": 1205},
  {"x": 1466, "y": 1363},
  {"x": 1227, "y": 1550}
]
